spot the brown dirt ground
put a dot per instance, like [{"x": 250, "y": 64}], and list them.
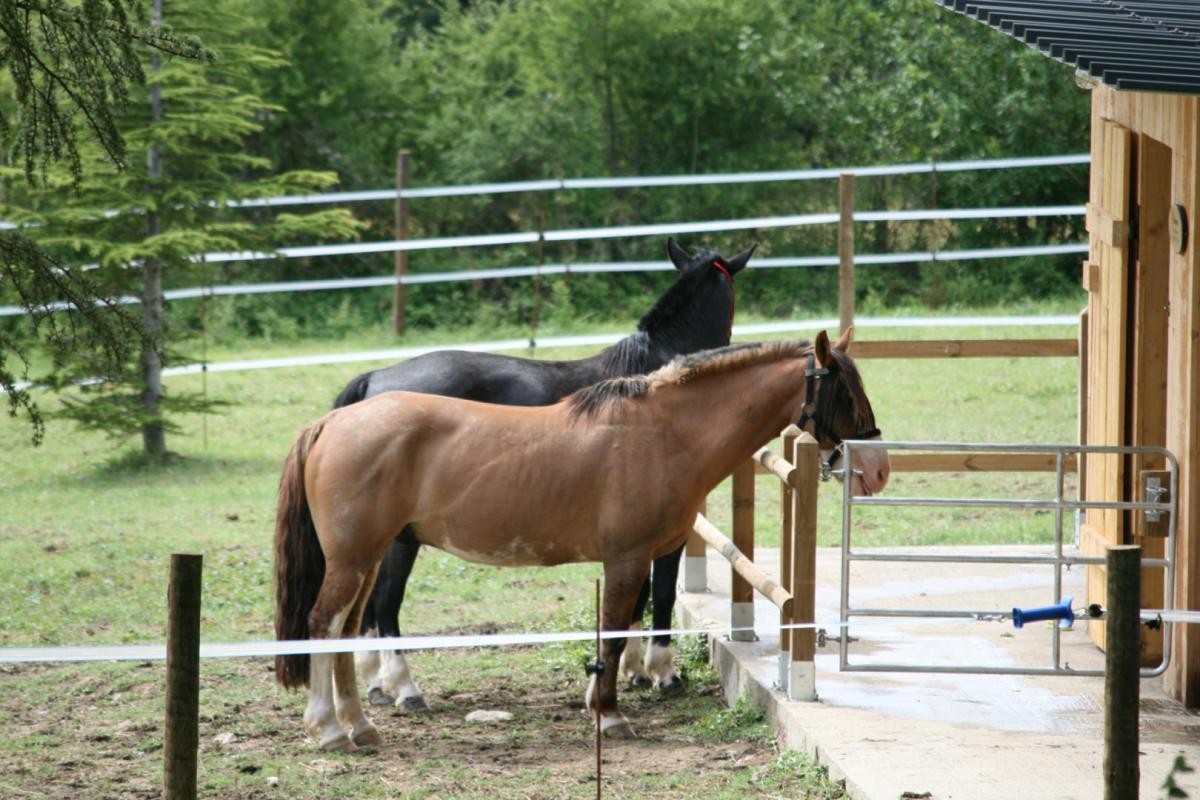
[{"x": 97, "y": 742}]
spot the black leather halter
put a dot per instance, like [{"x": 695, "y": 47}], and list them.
[{"x": 812, "y": 412}]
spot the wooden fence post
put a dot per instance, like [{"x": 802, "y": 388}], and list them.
[
  {"x": 741, "y": 593},
  {"x": 1122, "y": 672},
  {"x": 399, "y": 293},
  {"x": 846, "y": 250},
  {"x": 787, "y": 535},
  {"x": 695, "y": 560},
  {"x": 802, "y": 675},
  {"x": 181, "y": 737}
]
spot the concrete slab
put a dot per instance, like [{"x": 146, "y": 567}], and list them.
[{"x": 941, "y": 736}]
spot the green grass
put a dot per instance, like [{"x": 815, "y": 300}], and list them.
[{"x": 86, "y": 534}]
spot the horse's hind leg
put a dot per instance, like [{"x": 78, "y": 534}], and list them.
[
  {"x": 621, "y": 582},
  {"x": 349, "y": 707},
  {"x": 660, "y": 657},
  {"x": 337, "y": 603},
  {"x": 631, "y": 657}
]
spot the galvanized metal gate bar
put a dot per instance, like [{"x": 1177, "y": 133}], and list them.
[{"x": 1059, "y": 504}]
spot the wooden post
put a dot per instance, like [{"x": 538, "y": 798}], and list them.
[
  {"x": 399, "y": 294},
  {"x": 1122, "y": 672},
  {"x": 846, "y": 250},
  {"x": 182, "y": 735},
  {"x": 695, "y": 561},
  {"x": 1082, "y": 423},
  {"x": 787, "y": 535},
  {"x": 802, "y": 674},
  {"x": 741, "y": 593}
]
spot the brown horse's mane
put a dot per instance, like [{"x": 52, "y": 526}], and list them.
[{"x": 610, "y": 394}]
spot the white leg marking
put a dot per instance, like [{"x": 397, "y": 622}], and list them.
[
  {"x": 397, "y": 681},
  {"x": 660, "y": 663},
  {"x": 631, "y": 659},
  {"x": 320, "y": 718},
  {"x": 616, "y": 726},
  {"x": 367, "y": 663}
]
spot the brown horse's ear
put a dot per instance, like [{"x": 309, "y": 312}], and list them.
[
  {"x": 843, "y": 342},
  {"x": 821, "y": 349},
  {"x": 679, "y": 257},
  {"x": 738, "y": 262}
]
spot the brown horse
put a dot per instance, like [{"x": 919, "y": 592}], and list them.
[{"x": 615, "y": 473}]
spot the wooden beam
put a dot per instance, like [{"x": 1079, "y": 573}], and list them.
[
  {"x": 1106, "y": 227},
  {"x": 978, "y": 462},
  {"x": 744, "y": 567},
  {"x": 969, "y": 348}
]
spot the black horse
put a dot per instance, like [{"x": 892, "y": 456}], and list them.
[{"x": 696, "y": 313}]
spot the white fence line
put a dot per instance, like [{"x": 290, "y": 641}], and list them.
[
  {"x": 650, "y": 181},
  {"x": 600, "y": 340},
  {"x": 260, "y": 649},
  {"x": 502, "y": 273},
  {"x": 634, "y": 231},
  {"x": 604, "y": 339}
]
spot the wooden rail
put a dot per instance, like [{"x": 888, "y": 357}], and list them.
[
  {"x": 770, "y": 463},
  {"x": 968, "y": 348},
  {"x": 779, "y": 597},
  {"x": 794, "y": 593}
]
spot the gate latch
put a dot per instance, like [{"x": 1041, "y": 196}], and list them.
[{"x": 1154, "y": 490}]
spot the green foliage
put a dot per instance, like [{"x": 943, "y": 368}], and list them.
[
  {"x": 1170, "y": 788},
  {"x": 743, "y": 721},
  {"x": 71, "y": 64},
  {"x": 163, "y": 221},
  {"x": 500, "y": 91}
]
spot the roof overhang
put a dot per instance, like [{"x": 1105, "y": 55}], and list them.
[{"x": 1132, "y": 45}]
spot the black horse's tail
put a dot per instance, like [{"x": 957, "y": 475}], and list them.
[
  {"x": 355, "y": 390},
  {"x": 299, "y": 561}
]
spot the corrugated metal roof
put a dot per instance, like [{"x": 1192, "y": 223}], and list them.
[{"x": 1138, "y": 45}]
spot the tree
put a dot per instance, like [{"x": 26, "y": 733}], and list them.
[
  {"x": 148, "y": 223},
  {"x": 70, "y": 65}
]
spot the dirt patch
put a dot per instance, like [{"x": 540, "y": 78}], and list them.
[{"x": 99, "y": 736}]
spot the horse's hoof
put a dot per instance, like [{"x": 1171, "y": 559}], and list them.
[
  {"x": 413, "y": 705},
  {"x": 378, "y": 697},
  {"x": 617, "y": 728},
  {"x": 670, "y": 687},
  {"x": 368, "y": 737},
  {"x": 338, "y": 743},
  {"x": 639, "y": 681}
]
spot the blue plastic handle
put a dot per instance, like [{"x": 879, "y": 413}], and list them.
[{"x": 1061, "y": 612}]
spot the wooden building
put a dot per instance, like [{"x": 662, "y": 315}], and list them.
[{"x": 1141, "y": 361}]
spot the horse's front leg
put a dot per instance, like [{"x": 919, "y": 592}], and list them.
[
  {"x": 660, "y": 657},
  {"x": 621, "y": 583}
]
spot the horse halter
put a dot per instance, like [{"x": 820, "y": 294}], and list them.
[
  {"x": 812, "y": 374},
  {"x": 720, "y": 267}
]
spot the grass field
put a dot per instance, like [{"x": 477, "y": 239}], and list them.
[{"x": 86, "y": 532}]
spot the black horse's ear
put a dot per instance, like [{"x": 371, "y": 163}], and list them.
[
  {"x": 738, "y": 262},
  {"x": 679, "y": 257},
  {"x": 821, "y": 349}
]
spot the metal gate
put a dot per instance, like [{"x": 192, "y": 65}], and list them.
[{"x": 1058, "y": 505}]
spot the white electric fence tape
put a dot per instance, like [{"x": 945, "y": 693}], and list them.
[{"x": 158, "y": 652}]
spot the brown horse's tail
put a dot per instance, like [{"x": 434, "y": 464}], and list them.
[{"x": 299, "y": 561}]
